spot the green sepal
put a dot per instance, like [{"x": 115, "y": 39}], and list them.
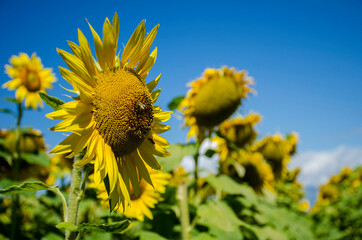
[{"x": 53, "y": 102}]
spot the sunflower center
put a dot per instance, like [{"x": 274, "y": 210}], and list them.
[
  {"x": 123, "y": 110},
  {"x": 30, "y": 79},
  {"x": 240, "y": 134},
  {"x": 253, "y": 176},
  {"x": 216, "y": 101}
]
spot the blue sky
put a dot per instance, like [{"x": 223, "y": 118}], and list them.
[{"x": 305, "y": 56}]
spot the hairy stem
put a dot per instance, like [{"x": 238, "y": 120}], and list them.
[
  {"x": 74, "y": 201},
  {"x": 16, "y": 210},
  {"x": 184, "y": 211}
]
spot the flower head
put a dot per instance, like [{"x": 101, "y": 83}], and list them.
[
  {"x": 28, "y": 78},
  {"x": 213, "y": 98},
  {"x": 240, "y": 130},
  {"x": 258, "y": 174},
  {"x": 114, "y": 116},
  {"x": 145, "y": 199},
  {"x": 291, "y": 141},
  {"x": 274, "y": 150}
]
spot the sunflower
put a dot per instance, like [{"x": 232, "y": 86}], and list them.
[
  {"x": 31, "y": 141},
  {"x": 28, "y": 78},
  {"x": 275, "y": 151},
  {"x": 145, "y": 199},
  {"x": 258, "y": 174},
  {"x": 291, "y": 141},
  {"x": 240, "y": 130},
  {"x": 213, "y": 98},
  {"x": 114, "y": 116}
]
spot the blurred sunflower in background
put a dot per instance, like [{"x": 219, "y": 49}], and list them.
[
  {"x": 274, "y": 150},
  {"x": 143, "y": 200},
  {"x": 240, "y": 130},
  {"x": 114, "y": 117},
  {"x": 28, "y": 78},
  {"x": 291, "y": 141},
  {"x": 33, "y": 162},
  {"x": 258, "y": 174},
  {"x": 213, "y": 98}
]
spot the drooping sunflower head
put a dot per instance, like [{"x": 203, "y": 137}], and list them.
[
  {"x": 258, "y": 174},
  {"x": 328, "y": 193},
  {"x": 114, "y": 116},
  {"x": 28, "y": 78},
  {"x": 31, "y": 141},
  {"x": 273, "y": 149},
  {"x": 291, "y": 142},
  {"x": 144, "y": 200},
  {"x": 291, "y": 176},
  {"x": 240, "y": 130},
  {"x": 213, "y": 98}
]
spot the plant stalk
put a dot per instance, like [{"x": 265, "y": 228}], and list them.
[
  {"x": 74, "y": 197},
  {"x": 184, "y": 211},
  {"x": 16, "y": 208}
]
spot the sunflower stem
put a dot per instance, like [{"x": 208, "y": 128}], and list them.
[
  {"x": 16, "y": 207},
  {"x": 196, "y": 172},
  {"x": 74, "y": 197},
  {"x": 184, "y": 211}
]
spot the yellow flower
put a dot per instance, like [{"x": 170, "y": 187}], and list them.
[
  {"x": 114, "y": 116},
  {"x": 31, "y": 141},
  {"x": 147, "y": 197},
  {"x": 222, "y": 148},
  {"x": 213, "y": 98},
  {"x": 304, "y": 205},
  {"x": 258, "y": 174},
  {"x": 357, "y": 182},
  {"x": 291, "y": 143},
  {"x": 28, "y": 78},
  {"x": 240, "y": 130},
  {"x": 328, "y": 193},
  {"x": 179, "y": 176},
  {"x": 275, "y": 152}
]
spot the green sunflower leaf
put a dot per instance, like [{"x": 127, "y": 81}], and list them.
[
  {"x": 53, "y": 102},
  {"x": 229, "y": 186},
  {"x": 13, "y": 100},
  {"x": 26, "y": 187},
  {"x": 147, "y": 235},
  {"x": 7, "y": 111},
  {"x": 178, "y": 152},
  {"x": 38, "y": 159},
  {"x": 112, "y": 227},
  {"x": 209, "y": 153},
  {"x": 175, "y": 102}
]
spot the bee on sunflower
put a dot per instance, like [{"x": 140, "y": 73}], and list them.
[{"x": 114, "y": 117}]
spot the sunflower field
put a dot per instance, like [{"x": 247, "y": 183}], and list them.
[{"x": 113, "y": 176}]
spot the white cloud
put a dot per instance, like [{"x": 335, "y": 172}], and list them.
[
  {"x": 318, "y": 166},
  {"x": 206, "y": 165}
]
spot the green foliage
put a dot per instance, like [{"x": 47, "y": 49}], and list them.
[
  {"x": 178, "y": 152},
  {"x": 7, "y": 111},
  {"x": 115, "y": 227},
  {"x": 26, "y": 187},
  {"x": 40, "y": 158},
  {"x": 175, "y": 103},
  {"x": 220, "y": 219},
  {"x": 53, "y": 102},
  {"x": 342, "y": 218}
]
